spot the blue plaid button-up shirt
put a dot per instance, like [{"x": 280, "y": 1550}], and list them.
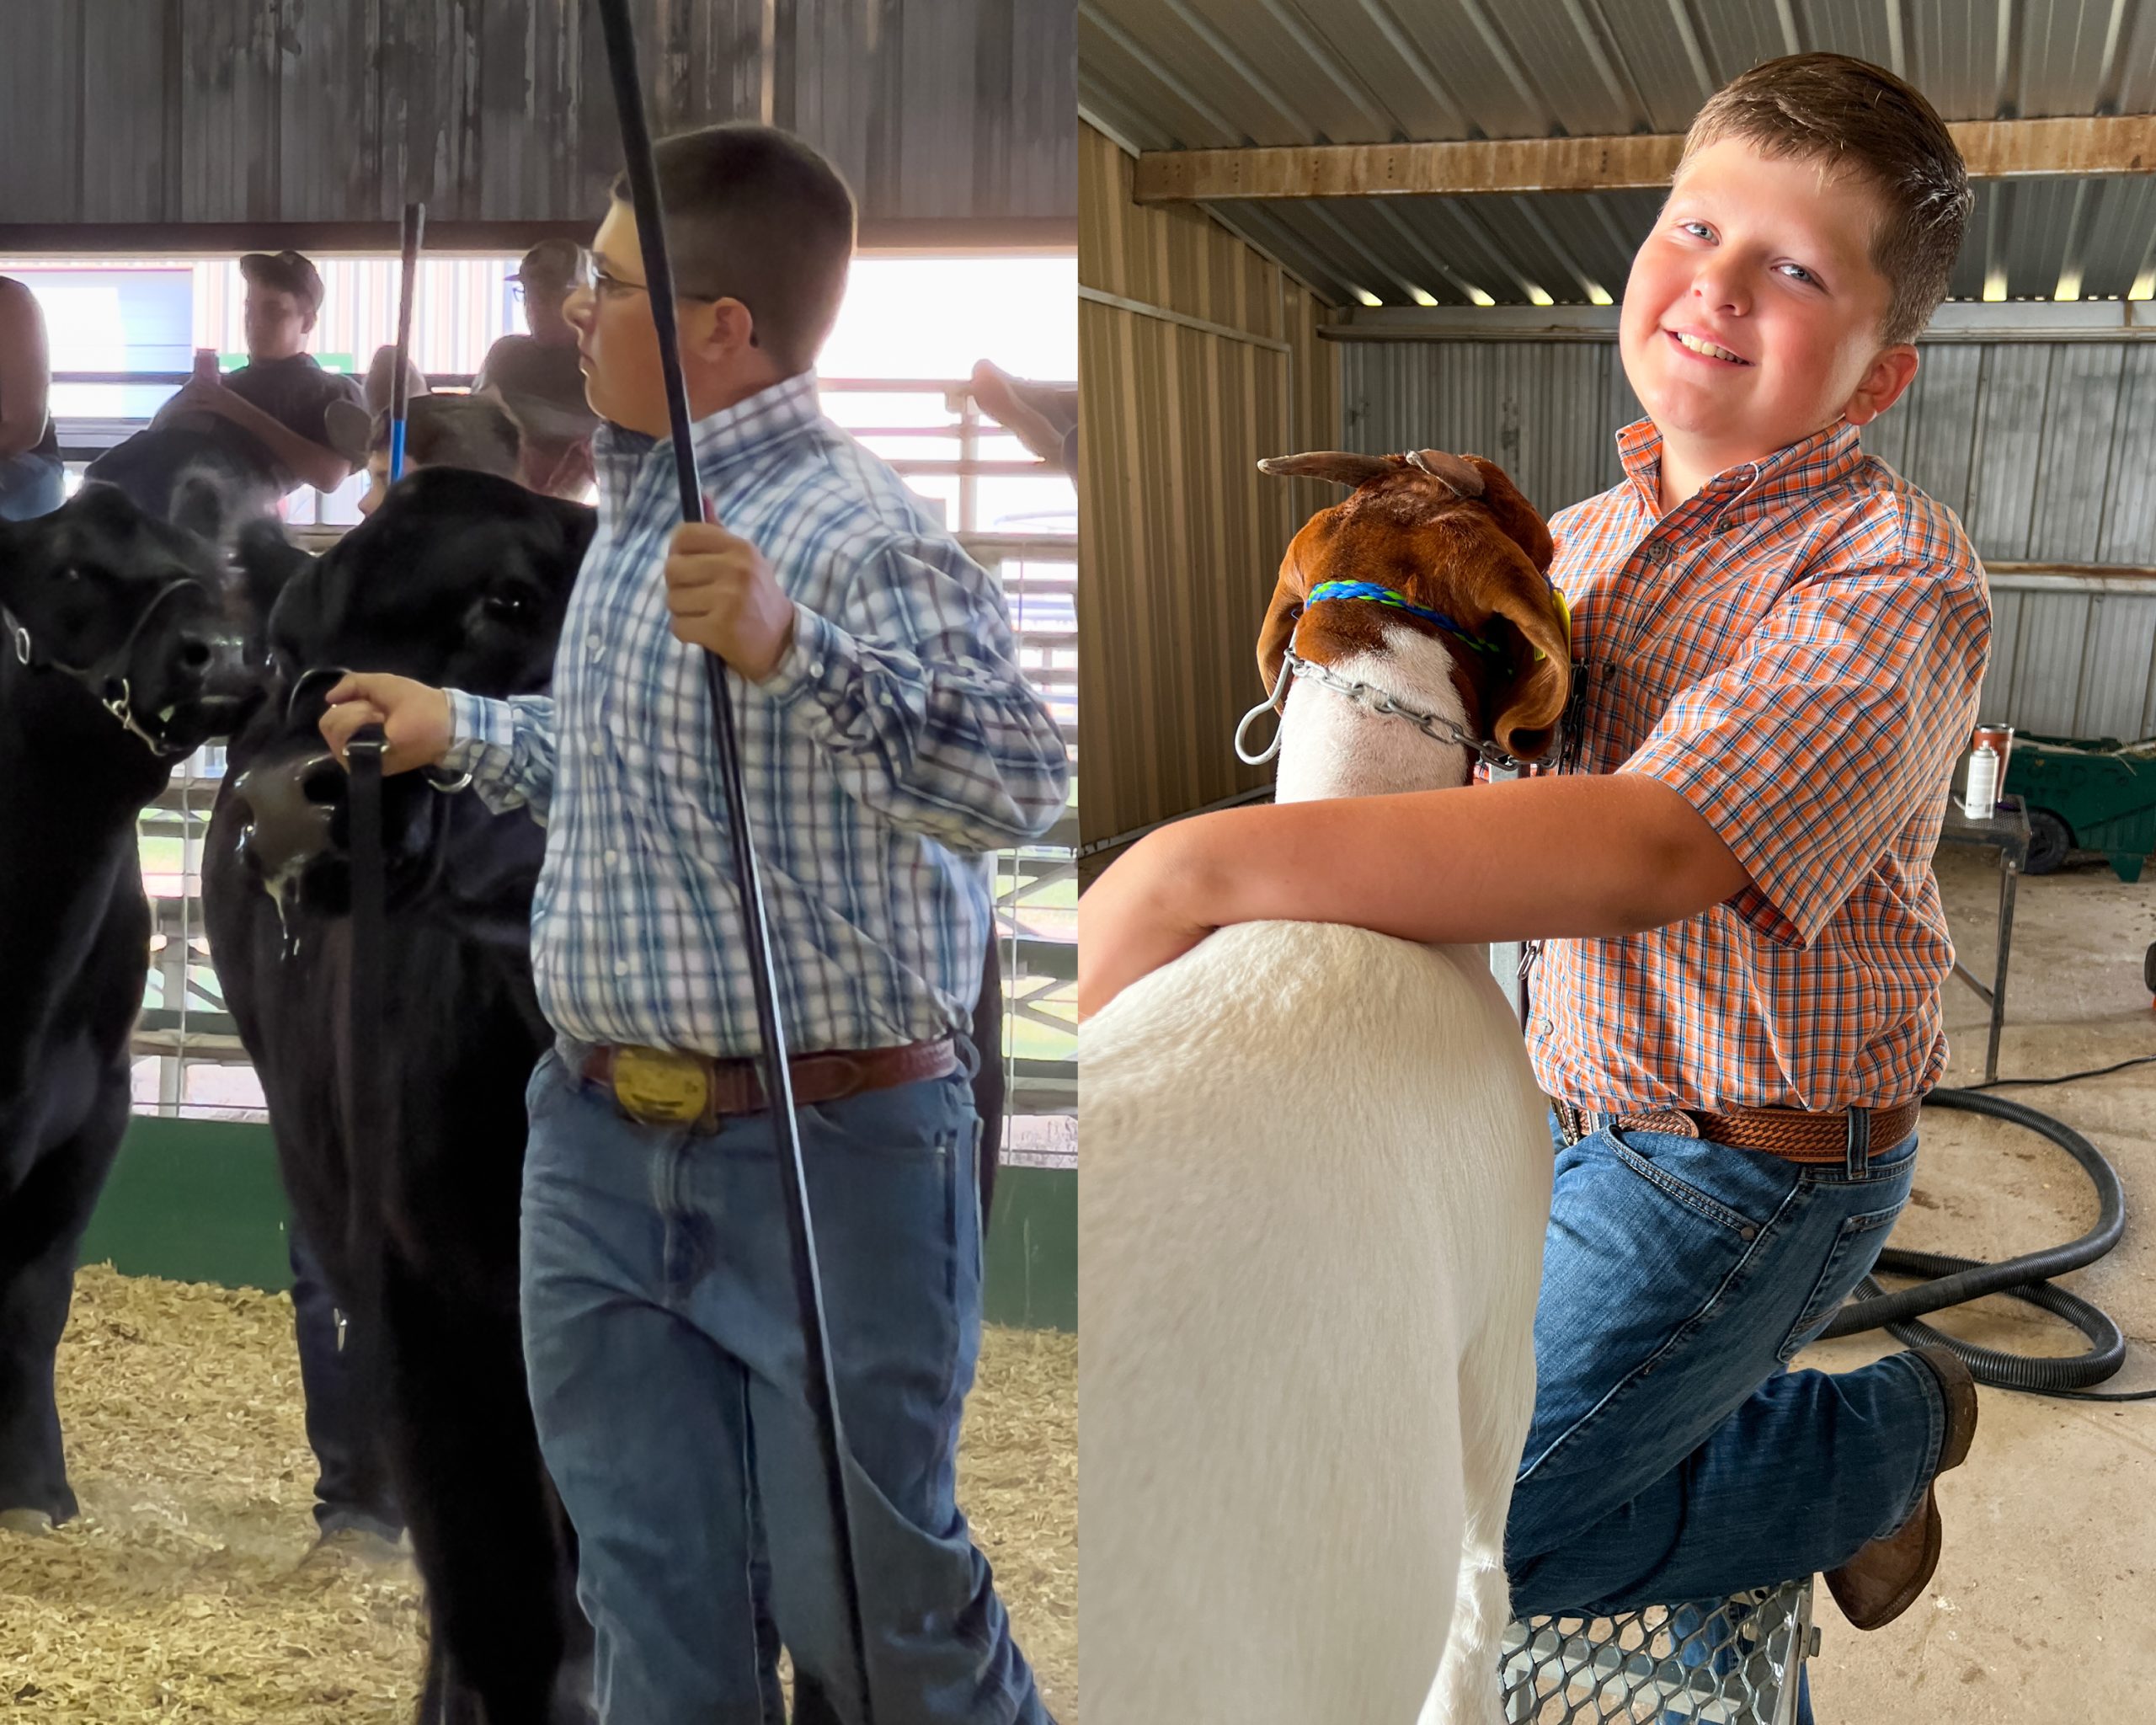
[{"x": 895, "y": 744}]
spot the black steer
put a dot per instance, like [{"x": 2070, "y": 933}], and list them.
[
  {"x": 117, "y": 664},
  {"x": 460, "y": 580}
]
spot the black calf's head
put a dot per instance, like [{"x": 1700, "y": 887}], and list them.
[
  {"x": 460, "y": 581},
  {"x": 132, "y": 610}
]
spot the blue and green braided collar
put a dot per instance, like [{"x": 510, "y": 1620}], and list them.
[{"x": 1377, "y": 594}]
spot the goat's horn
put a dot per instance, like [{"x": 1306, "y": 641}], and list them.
[
  {"x": 1449, "y": 471},
  {"x": 1342, "y": 467}
]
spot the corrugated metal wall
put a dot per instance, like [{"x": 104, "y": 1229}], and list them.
[
  {"x": 2072, "y": 656},
  {"x": 2045, "y": 450},
  {"x": 1180, "y": 537},
  {"x": 317, "y": 111}
]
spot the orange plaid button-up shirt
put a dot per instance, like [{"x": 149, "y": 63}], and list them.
[{"x": 1797, "y": 651}]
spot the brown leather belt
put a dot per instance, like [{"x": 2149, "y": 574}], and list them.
[
  {"x": 663, "y": 1087},
  {"x": 1795, "y": 1134}
]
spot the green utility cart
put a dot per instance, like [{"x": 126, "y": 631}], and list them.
[{"x": 2086, "y": 796}]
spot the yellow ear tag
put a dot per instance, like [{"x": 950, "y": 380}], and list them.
[{"x": 1564, "y": 616}]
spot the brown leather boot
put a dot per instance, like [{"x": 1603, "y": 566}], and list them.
[{"x": 1889, "y": 1575}]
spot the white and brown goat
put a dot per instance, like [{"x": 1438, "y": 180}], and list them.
[{"x": 1317, "y": 1173}]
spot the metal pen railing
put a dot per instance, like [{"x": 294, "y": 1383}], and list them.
[{"x": 190, "y": 1058}]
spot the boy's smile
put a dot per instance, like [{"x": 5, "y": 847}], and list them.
[{"x": 1753, "y": 315}]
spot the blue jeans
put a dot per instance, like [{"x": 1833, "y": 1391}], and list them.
[
  {"x": 30, "y": 486},
  {"x": 1673, "y": 1457},
  {"x": 666, "y": 1364},
  {"x": 352, "y": 1488}
]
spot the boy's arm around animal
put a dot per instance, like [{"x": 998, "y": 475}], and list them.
[
  {"x": 1771, "y": 785},
  {"x": 914, "y": 694},
  {"x": 1539, "y": 858}
]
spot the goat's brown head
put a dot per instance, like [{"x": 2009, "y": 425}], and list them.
[{"x": 1448, "y": 533}]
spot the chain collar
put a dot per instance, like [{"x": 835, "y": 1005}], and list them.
[
  {"x": 1368, "y": 696},
  {"x": 1433, "y": 725}
]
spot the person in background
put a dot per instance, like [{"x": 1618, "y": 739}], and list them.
[
  {"x": 1041, "y": 416},
  {"x": 382, "y": 371},
  {"x": 539, "y": 377},
  {"x": 474, "y": 431},
  {"x": 32, "y": 482},
  {"x": 259, "y": 433}
]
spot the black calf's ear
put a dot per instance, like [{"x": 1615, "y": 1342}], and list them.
[{"x": 579, "y": 522}]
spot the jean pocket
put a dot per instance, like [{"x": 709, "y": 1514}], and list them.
[
  {"x": 1856, "y": 1248},
  {"x": 1731, "y": 1187}
]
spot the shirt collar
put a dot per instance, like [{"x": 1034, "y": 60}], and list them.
[
  {"x": 1807, "y": 464},
  {"x": 732, "y": 435}
]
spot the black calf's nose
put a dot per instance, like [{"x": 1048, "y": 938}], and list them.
[
  {"x": 288, "y": 807},
  {"x": 212, "y": 659}
]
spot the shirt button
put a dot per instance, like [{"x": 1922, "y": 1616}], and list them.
[
  {"x": 817, "y": 668},
  {"x": 596, "y": 642},
  {"x": 598, "y": 746},
  {"x": 612, "y": 858},
  {"x": 621, "y": 966}
]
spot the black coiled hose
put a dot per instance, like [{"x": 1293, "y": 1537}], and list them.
[{"x": 1956, "y": 1281}]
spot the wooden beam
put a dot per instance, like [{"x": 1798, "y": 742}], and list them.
[
  {"x": 930, "y": 235},
  {"x": 1957, "y": 321},
  {"x": 1994, "y": 149}
]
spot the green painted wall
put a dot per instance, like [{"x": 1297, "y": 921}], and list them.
[
  {"x": 195, "y": 1200},
  {"x": 200, "y": 1201}
]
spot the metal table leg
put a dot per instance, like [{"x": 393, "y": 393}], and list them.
[{"x": 2009, "y": 878}]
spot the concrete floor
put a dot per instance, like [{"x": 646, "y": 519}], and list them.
[{"x": 2043, "y": 1610}]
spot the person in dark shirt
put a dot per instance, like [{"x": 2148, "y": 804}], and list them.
[
  {"x": 31, "y": 481},
  {"x": 258, "y": 433},
  {"x": 539, "y": 377}
]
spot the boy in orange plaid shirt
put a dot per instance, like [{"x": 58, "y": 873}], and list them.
[{"x": 1738, "y": 1010}]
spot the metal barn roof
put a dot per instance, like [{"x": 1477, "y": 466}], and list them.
[{"x": 1210, "y": 74}]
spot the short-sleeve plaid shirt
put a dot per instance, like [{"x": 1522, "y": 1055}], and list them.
[{"x": 1797, "y": 650}]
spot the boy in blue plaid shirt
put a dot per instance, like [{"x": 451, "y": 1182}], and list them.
[{"x": 888, "y": 741}]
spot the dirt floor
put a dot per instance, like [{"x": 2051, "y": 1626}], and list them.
[
  {"x": 2040, "y": 1613},
  {"x": 180, "y": 1595}
]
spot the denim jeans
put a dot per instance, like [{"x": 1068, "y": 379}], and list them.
[
  {"x": 352, "y": 1488},
  {"x": 30, "y": 486},
  {"x": 1673, "y": 1457},
  {"x": 666, "y": 1362}
]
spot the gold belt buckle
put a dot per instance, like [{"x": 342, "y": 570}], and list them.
[{"x": 658, "y": 1086}]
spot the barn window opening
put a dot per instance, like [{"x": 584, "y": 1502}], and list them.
[{"x": 124, "y": 333}]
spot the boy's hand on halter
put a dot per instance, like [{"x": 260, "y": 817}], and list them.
[
  {"x": 724, "y": 597},
  {"x": 413, "y": 718}
]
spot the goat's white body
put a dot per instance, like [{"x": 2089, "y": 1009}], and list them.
[{"x": 1317, "y": 1174}]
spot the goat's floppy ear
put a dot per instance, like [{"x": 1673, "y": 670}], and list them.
[
  {"x": 1531, "y": 699},
  {"x": 1342, "y": 467},
  {"x": 1289, "y": 593},
  {"x": 1513, "y": 512}
]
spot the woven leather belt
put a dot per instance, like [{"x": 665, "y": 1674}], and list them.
[
  {"x": 662, "y": 1088},
  {"x": 1795, "y": 1134}
]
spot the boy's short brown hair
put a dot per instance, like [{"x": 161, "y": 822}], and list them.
[
  {"x": 1855, "y": 116},
  {"x": 753, "y": 214}
]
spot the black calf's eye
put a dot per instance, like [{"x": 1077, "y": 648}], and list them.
[{"x": 511, "y": 607}]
